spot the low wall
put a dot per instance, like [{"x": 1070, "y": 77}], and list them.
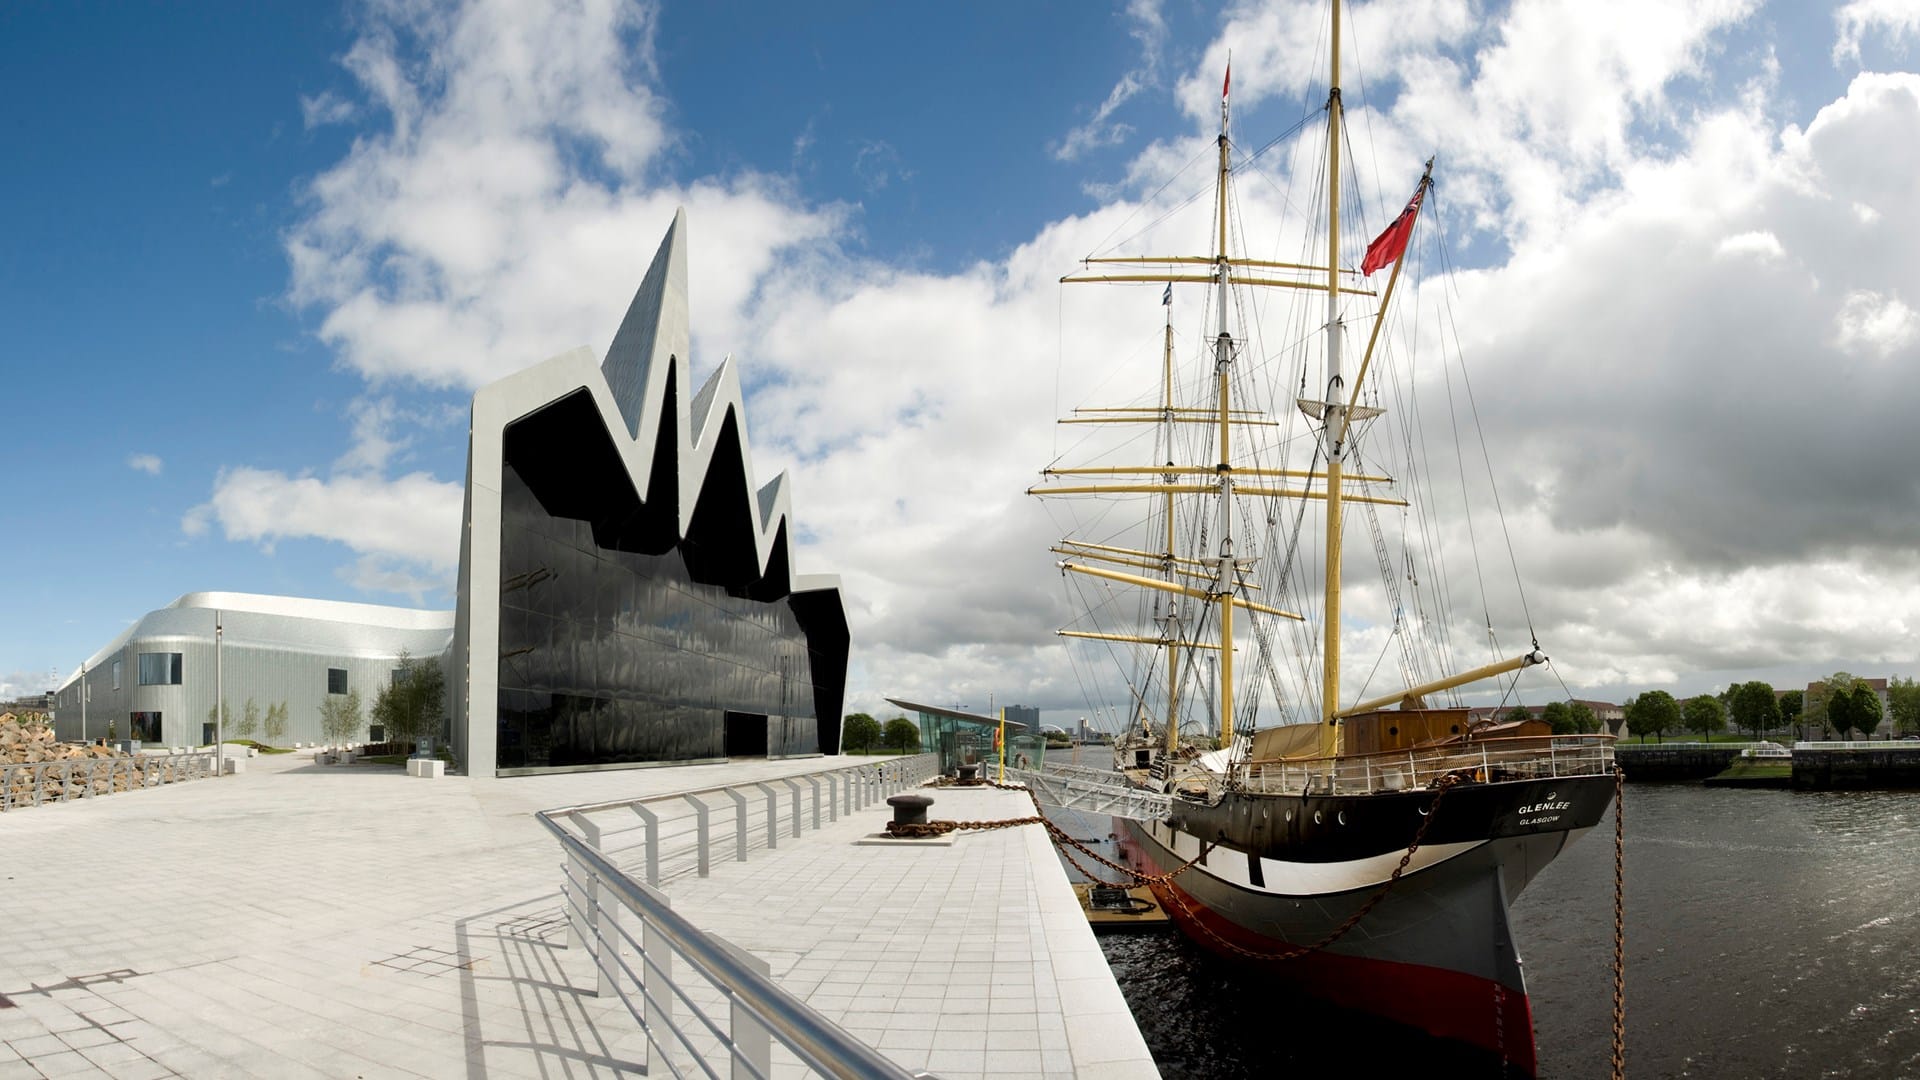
[
  {"x": 1695, "y": 762},
  {"x": 1877, "y": 767}
]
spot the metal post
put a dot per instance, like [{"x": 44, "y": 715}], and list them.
[
  {"x": 606, "y": 932},
  {"x": 702, "y": 833},
  {"x": 219, "y": 696},
  {"x": 833, "y": 796},
  {"x": 652, "y": 822},
  {"x": 751, "y": 1052},
  {"x": 796, "y": 806},
  {"x": 83, "y": 701},
  {"x": 773, "y": 816},
  {"x": 814, "y": 783},
  {"x": 656, "y": 966},
  {"x": 739, "y": 824}
]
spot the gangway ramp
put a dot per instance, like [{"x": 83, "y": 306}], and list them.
[{"x": 1093, "y": 791}]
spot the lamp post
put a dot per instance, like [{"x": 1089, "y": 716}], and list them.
[
  {"x": 83, "y": 701},
  {"x": 219, "y": 696}
]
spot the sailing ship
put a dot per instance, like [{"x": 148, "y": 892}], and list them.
[{"x": 1368, "y": 849}]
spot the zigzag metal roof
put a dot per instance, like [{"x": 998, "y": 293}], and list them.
[{"x": 630, "y": 389}]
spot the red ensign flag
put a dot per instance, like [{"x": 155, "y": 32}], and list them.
[
  {"x": 1388, "y": 245},
  {"x": 1228, "y": 81}
]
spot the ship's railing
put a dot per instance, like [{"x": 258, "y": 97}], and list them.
[
  {"x": 1527, "y": 757},
  {"x": 89, "y": 777}
]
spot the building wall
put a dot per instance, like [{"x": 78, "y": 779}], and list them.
[{"x": 267, "y": 656}]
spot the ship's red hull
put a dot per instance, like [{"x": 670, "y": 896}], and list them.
[{"x": 1479, "y": 1012}]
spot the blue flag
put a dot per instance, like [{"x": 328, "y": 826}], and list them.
[{"x": 1166, "y": 298}]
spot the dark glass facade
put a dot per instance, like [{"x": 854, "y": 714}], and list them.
[
  {"x": 611, "y": 656},
  {"x": 156, "y": 669}
]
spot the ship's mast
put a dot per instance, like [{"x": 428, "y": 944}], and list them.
[
  {"x": 1333, "y": 426},
  {"x": 1167, "y": 563},
  {"x": 1222, "y": 365}
]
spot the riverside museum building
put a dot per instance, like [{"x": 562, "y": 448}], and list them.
[{"x": 626, "y": 595}]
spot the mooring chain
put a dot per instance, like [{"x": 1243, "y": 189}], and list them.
[
  {"x": 1619, "y": 926},
  {"x": 1060, "y": 837}
]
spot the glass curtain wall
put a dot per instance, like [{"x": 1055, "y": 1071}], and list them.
[{"x": 613, "y": 657}]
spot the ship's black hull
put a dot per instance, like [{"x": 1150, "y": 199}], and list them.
[{"x": 1435, "y": 952}]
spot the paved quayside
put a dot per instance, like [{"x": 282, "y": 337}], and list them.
[{"x": 344, "y": 921}]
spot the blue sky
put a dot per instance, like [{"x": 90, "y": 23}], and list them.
[{"x": 875, "y": 176}]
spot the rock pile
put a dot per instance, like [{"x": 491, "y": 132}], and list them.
[{"x": 74, "y": 771}]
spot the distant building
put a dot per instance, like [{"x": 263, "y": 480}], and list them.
[{"x": 1026, "y": 716}]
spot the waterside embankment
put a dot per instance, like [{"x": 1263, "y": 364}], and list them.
[{"x": 1817, "y": 766}]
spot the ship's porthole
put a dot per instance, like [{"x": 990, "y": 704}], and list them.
[
  {"x": 1289, "y": 815},
  {"x": 1341, "y": 817},
  {"x": 1316, "y": 817},
  {"x": 1393, "y": 731},
  {"x": 1423, "y": 811},
  {"x": 1456, "y": 729}
]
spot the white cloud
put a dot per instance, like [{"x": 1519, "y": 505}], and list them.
[
  {"x": 1758, "y": 244},
  {"x": 325, "y": 108},
  {"x": 413, "y": 517},
  {"x": 1149, "y": 30},
  {"x": 146, "y": 463},
  {"x": 1869, "y": 322},
  {"x": 1670, "y": 396},
  {"x": 1898, "y": 20}
]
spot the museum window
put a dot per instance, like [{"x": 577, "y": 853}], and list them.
[
  {"x": 159, "y": 669},
  {"x": 146, "y": 727},
  {"x": 116, "y": 674},
  {"x": 336, "y": 680}
]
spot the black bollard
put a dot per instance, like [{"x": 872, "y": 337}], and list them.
[
  {"x": 970, "y": 774},
  {"x": 909, "y": 809}
]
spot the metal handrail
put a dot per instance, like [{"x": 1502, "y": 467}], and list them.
[
  {"x": 1857, "y": 744},
  {"x": 818, "y": 1042}
]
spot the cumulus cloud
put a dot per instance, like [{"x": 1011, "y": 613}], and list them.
[
  {"x": 146, "y": 463},
  {"x": 415, "y": 516},
  {"x": 1897, "y": 20},
  {"x": 1693, "y": 316}
]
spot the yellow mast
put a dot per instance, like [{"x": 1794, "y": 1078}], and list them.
[
  {"x": 1333, "y": 419},
  {"x": 1222, "y": 362},
  {"x": 1167, "y": 565}
]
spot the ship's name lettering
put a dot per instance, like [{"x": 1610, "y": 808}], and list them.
[{"x": 1541, "y": 808}]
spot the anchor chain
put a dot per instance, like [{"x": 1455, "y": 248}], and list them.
[{"x": 1619, "y": 927}]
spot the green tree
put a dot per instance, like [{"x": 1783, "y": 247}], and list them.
[
  {"x": 902, "y": 735},
  {"x": 1516, "y": 715},
  {"x": 340, "y": 717},
  {"x": 859, "y": 732},
  {"x": 249, "y": 723},
  {"x": 1753, "y": 707},
  {"x": 1867, "y": 712},
  {"x": 1584, "y": 722},
  {"x": 1903, "y": 701},
  {"x": 276, "y": 723},
  {"x": 213, "y": 717},
  {"x": 1705, "y": 715},
  {"x": 1836, "y": 689},
  {"x": 1559, "y": 718},
  {"x": 1653, "y": 713},
  {"x": 1791, "y": 704},
  {"x": 414, "y": 703}
]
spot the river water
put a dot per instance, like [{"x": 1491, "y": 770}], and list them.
[{"x": 1769, "y": 934}]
